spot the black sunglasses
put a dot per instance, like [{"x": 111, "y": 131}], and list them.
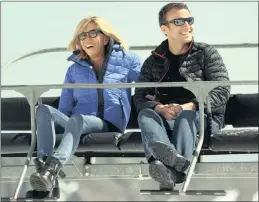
[
  {"x": 91, "y": 34},
  {"x": 181, "y": 21}
]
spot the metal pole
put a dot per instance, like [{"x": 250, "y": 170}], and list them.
[
  {"x": 32, "y": 96},
  {"x": 200, "y": 143}
]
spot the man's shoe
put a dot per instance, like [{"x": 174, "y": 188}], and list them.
[
  {"x": 46, "y": 179},
  {"x": 160, "y": 173},
  {"x": 168, "y": 155},
  {"x": 180, "y": 177}
]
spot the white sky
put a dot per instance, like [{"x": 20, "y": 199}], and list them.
[{"x": 27, "y": 27}]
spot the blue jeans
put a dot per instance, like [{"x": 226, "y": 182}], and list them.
[
  {"x": 50, "y": 121},
  {"x": 181, "y": 132}
]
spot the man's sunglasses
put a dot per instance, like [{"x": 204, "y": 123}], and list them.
[
  {"x": 91, "y": 34},
  {"x": 181, "y": 21}
]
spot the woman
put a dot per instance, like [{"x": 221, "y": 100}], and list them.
[{"x": 99, "y": 56}]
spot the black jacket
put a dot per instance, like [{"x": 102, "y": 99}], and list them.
[{"x": 201, "y": 62}]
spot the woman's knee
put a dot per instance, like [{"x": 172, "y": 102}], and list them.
[
  {"x": 76, "y": 120},
  {"x": 43, "y": 110},
  {"x": 76, "y": 125}
]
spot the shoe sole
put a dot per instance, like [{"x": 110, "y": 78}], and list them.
[
  {"x": 169, "y": 156},
  {"x": 161, "y": 174},
  {"x": 37, "y": 183},
  {"x": 33, "y": 194}
]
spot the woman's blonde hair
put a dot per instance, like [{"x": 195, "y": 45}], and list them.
[{"x": 103, "y": 25}]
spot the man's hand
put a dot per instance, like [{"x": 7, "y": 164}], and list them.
[
  {"x": 176, "y": 108},
  {"x": 165, "y": 111}
]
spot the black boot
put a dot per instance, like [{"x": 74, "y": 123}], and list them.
[
  {"x": 39, "y": 164},
  {"x": 46, "y": 179}
]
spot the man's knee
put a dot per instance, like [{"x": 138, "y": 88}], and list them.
[
  {"x": 188, "y": 114},
  {"x": 146, "y": 113}
]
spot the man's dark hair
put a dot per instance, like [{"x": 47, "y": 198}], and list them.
[{"x": 168, "y": 7}]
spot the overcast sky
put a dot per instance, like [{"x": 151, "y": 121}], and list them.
[{"x": 27, "y": 27}]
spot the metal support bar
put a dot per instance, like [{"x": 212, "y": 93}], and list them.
[
  {"x": 192, "y": 85},
  {"x": 32, "y": 95},
  {"x": 199, "y": 88},
  {"x": 202, "y": 95},
  {"x": 190, "y": 192}
]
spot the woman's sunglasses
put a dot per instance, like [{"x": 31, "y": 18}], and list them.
[
  {"x": 181, "y": 21},
  {"x": 91, "y": 34}
]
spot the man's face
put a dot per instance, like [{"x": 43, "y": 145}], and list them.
[{"x": 179, "y": 26}]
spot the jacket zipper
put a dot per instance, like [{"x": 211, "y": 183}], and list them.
[
  {"x": 122, "y": 111},
  {"x": 100, "y": 108},
  {"x": 168, "y": 67}
]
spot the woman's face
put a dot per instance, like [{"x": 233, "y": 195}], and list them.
[{"x": 93, "y": 41}]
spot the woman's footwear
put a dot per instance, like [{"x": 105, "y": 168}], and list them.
[
  {"x": 39, "y": 164},
  {"x": 45, "y": 180}
]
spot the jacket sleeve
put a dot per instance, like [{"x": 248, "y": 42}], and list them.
[
  {"x": 140, "y": 100},
  {"x": 134, "y": 69},
  {"x": 215, "y": 70},
  {"x": 66, "y": 102}
]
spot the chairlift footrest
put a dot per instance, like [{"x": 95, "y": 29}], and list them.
[
  {"x": 28, "y": 199},
  {"x": 189, "y": 192}
]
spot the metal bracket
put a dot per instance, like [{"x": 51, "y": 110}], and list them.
[
  {"x": 32, "y": 95},
  {"x": 200, "y": 92},
  {"x": 202, "y": 96}
]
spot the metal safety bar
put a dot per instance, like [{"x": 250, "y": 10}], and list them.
[{"x": 200, "y": 89}]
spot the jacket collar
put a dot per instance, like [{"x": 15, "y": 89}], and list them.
[
  {"x": 86, "y": 63},
  {"x": 162, "y": 49}
]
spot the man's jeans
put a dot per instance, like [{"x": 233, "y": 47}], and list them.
[
  {"x": 181, "y": 132},
  {"x": 50, "y": 121}
]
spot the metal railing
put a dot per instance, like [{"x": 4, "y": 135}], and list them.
[
  {"x": 200, "y": 89},
  {"x": 133, "y": 48}
]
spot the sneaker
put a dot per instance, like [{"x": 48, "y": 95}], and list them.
[
  {"x": 168, "y": 155},
  {"x": 160, "y": 173}
]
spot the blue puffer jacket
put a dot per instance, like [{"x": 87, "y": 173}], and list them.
[{"x": 112, "y": 104}]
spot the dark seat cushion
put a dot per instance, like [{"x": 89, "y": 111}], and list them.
[
  {"x": 101, "y": 144},
  {"x": 241, "y": 111}
]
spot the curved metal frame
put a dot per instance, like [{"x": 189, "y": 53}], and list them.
[{"x": 200, "y": 89}]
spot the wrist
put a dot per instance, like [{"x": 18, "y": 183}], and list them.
[
  {"x": 158, "y": 107},
  {"x": 189, "y": 106}
]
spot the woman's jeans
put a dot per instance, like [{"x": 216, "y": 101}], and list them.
[{"x": 50, "y": 121}]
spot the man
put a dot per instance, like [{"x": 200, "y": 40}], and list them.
[{"x": 169, "y": 117}]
